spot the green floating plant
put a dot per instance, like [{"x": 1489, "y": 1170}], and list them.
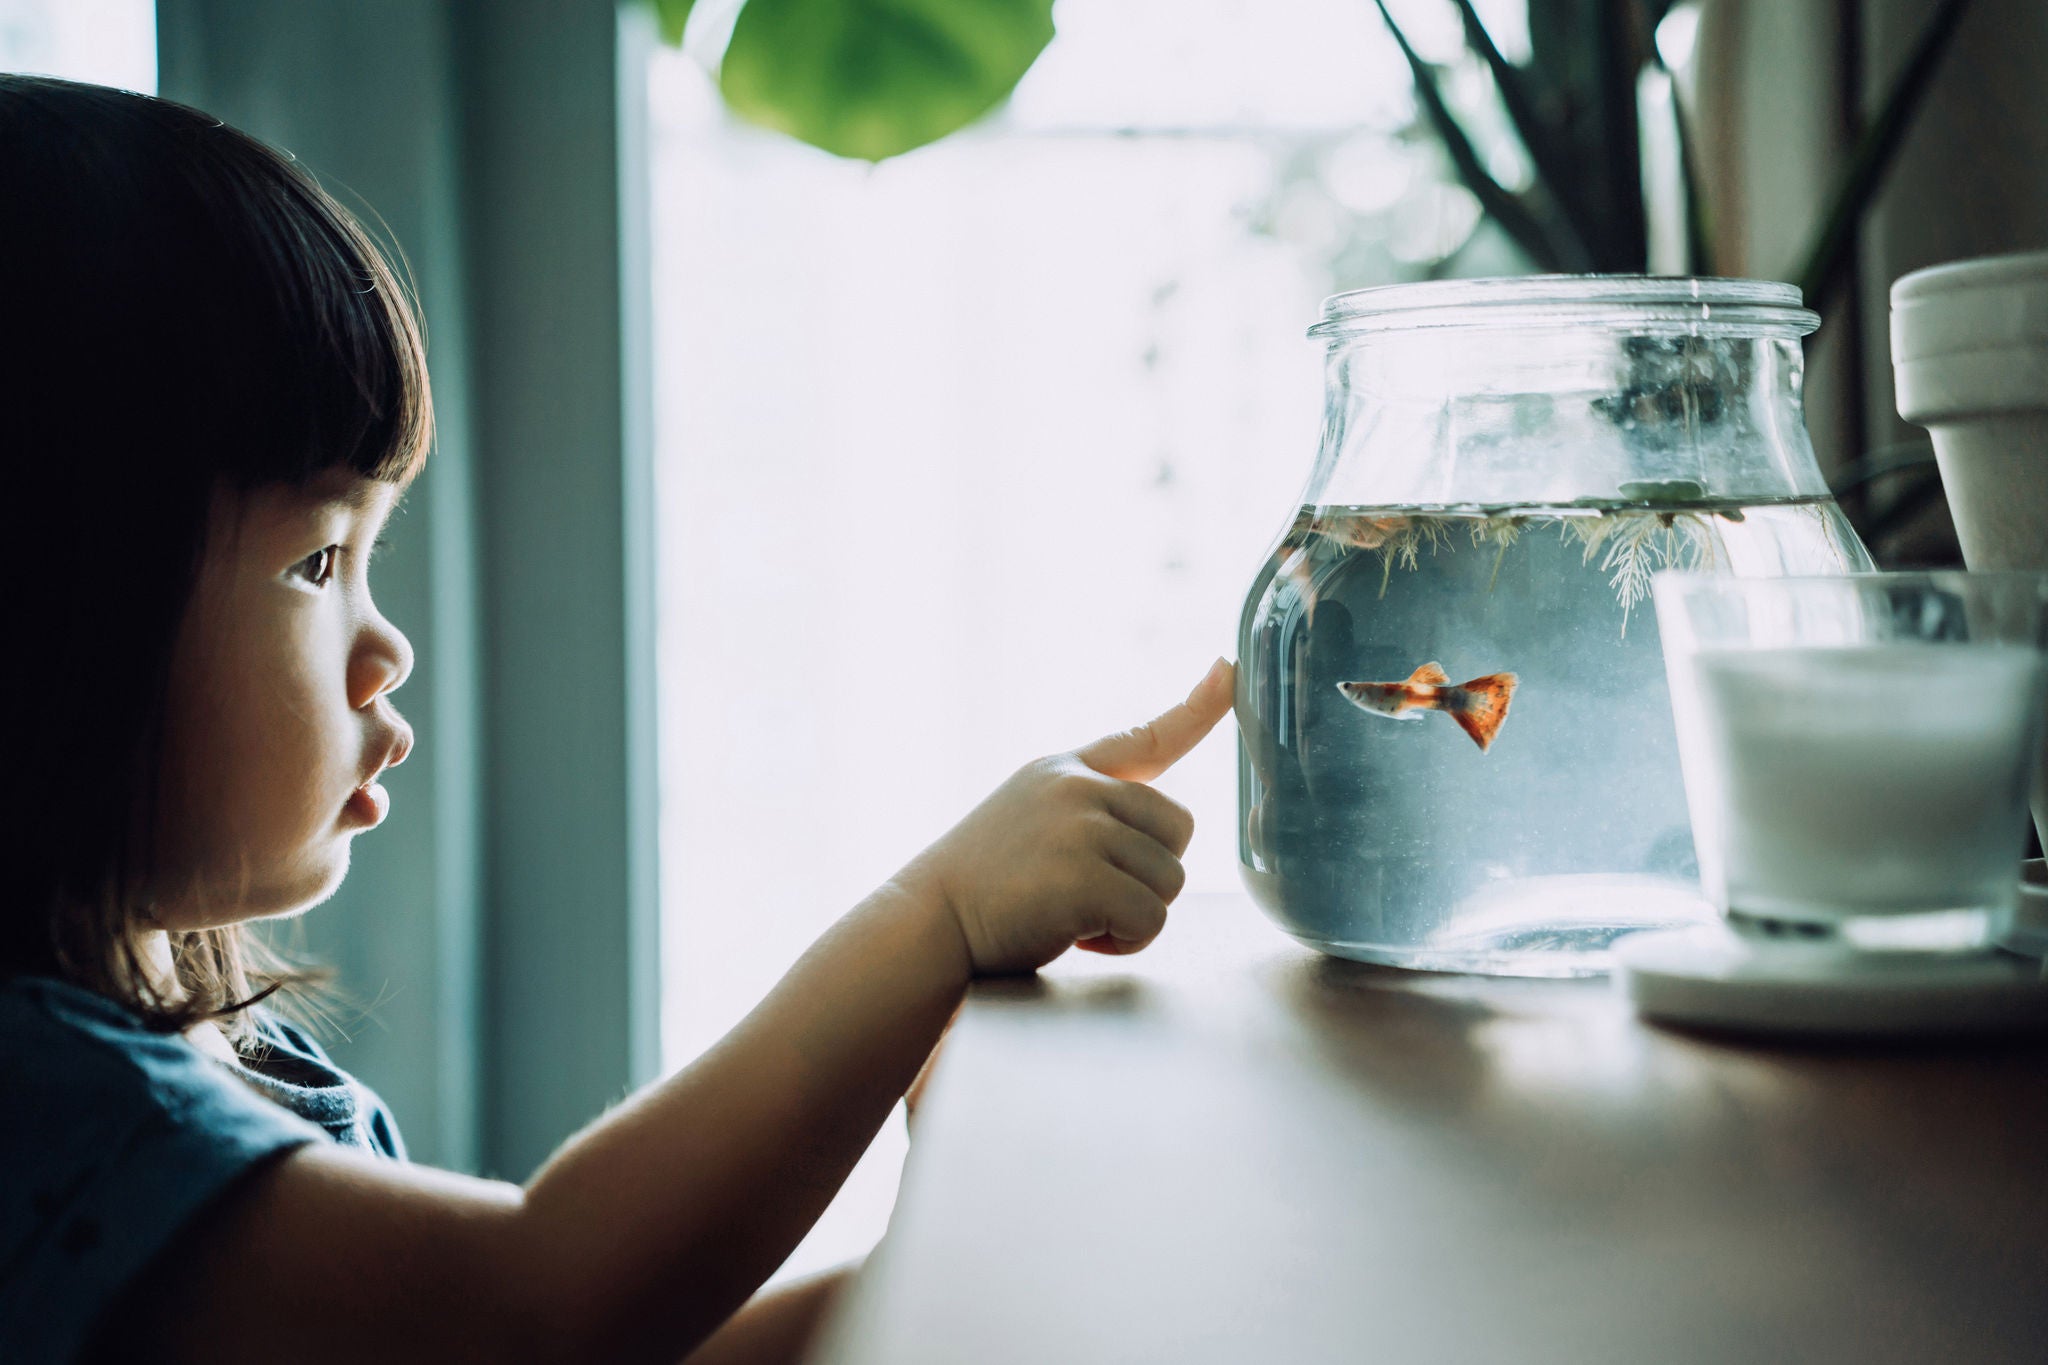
[
  {"x": 1634, "y": 545},
  {"x": 1499, "y": 532},
  {"x": 1631, "y": 545},
  {"x": 1405, "y": 543}
]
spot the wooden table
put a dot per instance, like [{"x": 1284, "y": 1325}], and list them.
[{"x": 1229, "y": 1148}]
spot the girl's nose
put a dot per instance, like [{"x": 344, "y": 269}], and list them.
[{"x": 381, "y": 663}]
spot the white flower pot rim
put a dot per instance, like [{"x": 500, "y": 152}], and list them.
[{"x": 1970, "y": 338}]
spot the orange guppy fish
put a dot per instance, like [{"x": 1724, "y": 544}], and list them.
[{"x": 1478, "y": 706}]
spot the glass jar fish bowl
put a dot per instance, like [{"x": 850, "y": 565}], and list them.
[{"x": 1456, "y": 749}]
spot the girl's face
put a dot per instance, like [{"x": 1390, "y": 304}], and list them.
[{"x": 278, "y": 715}]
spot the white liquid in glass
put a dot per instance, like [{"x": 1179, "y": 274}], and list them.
[{"x": 1862, "y": 780}]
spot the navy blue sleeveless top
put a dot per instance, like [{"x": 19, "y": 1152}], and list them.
[{"x": 112, "y": 1137}]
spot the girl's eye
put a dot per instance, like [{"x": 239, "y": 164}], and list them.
[{"x": 318, "y": 567}]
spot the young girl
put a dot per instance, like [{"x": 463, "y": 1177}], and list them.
[{"x": 211, "y": 395}]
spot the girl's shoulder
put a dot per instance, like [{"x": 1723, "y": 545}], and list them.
[
  {"x": 59, "y": 1041},
  {"x": 112, "y": 1138}
]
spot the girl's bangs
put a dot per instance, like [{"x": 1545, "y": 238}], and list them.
[
  {"x": 341, "y": 378},
  {"x": 388, "y": 345}
]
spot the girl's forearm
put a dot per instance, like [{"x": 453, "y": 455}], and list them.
[
  {"x": 652, "y": 1225},
  {"x": 777, "y": 1327}
]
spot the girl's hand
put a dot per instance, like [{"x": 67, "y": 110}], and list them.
[{"x": 1074, "y": 849}]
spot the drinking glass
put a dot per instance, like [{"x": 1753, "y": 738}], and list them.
[{"x": 1857, "y": 750}]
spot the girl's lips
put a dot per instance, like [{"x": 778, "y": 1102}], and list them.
[{"x": 369, "y": 804}]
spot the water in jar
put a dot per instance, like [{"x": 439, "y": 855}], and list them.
[{"x": 1395, "y": 837}]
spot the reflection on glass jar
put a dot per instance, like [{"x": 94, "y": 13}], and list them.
[{"x": 1455, "y": 743}]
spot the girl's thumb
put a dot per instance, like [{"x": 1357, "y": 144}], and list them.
[{"x": 1142, "y": 753}]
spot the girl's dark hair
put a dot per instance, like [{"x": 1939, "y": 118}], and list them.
[{"x": 181, "y": 310}]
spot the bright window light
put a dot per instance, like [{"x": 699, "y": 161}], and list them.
[
  {"x": 1678, "y": 34},
  {"x": 107, "y": 42},
  {"x": 970, "y": 457}
]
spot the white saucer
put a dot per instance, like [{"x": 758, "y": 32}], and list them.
[
  {"x": 1710, "y": 977},
  {"x": 2029, "y": 932}
]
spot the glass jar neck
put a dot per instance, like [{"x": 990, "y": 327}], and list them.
[{"x": 1562, "y": 414}]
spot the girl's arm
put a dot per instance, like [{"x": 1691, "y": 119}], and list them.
[
  {"x": 649, "y": 1228},
  {"x": 778, "y": 1326}
]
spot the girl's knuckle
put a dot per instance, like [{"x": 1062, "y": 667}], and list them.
[
  {"x": 1049, "y": 768},
  {"x": 1150, "y": 917},
  {"x": 1078, "y": 784}
]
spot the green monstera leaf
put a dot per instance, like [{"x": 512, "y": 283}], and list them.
[
  {"x": 871, "y": 79},
  {"x": 672, "y": 15}
]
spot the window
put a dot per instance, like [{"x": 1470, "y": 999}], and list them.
[
  {"x": 109, "y": 42},
  {"x": 971, "y": 456}
]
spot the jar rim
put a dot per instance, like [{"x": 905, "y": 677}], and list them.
[{"x": 1647, "y": 303}]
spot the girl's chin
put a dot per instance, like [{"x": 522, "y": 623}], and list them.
[
  {"x": 314, "y": 887},
  {"x": 293, "y": 892}
]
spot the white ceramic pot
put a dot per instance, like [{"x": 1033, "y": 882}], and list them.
[{"x": 1970, "y": 360}]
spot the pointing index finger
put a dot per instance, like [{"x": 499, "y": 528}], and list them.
[{"x": 1142, "y": 753}]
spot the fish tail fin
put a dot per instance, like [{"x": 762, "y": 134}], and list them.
[
  {"x": 1430, "y": 674},
  {"x": 1483, "y": 706}
]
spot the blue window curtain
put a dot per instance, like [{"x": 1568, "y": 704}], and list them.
[{"x": 502, "y": 923}]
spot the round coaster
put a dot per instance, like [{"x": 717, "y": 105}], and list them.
[{"x": 1710, "y": 977}]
